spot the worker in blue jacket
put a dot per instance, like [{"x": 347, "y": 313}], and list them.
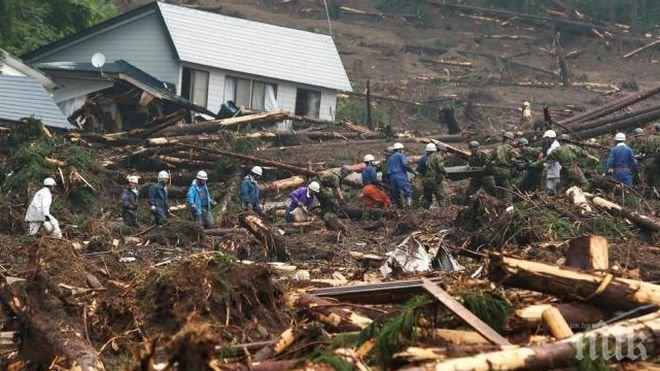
[
  {"x": 158, "y": 198},
  {"x": 621, "y": 162},
  {"x": 249, "y": 191},
  {"x": 397, "y": 174},
  {"x": 199, "y": 200}
]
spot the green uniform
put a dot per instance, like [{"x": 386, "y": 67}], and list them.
[
  {"x": 501, "y": 167},
  {"x": 532, "y": 169},
  {"x": 568, "y": 156},
  {"x": 329, "y": 182},
  {"x": 648, "y": 153},
  {"x": 432, "y": 179},
  {"x": 486, "y": 180}
]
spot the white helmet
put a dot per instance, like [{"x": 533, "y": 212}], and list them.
[
  {"x": 314, "y": 187},
  {"x": 620, "y": 137},
  {"x": 431, "y": 147},
  {"x": 133, "y": 179},
  {"x": 550, "y": 134},
  {"x": 49, "y": 182},
  {"x": 202, "y": 175},
  {"x": 163, "y": 175},
  {"x": 257, "y": 171},
  {"x": 369, "y": 158},
  {"x": 397, "y": 145}
]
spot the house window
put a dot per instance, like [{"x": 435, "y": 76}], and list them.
[
  {"x": 195, "y": 85},
  {"x": 308, "y": 103},
  {"x": 253, "y": 94}
]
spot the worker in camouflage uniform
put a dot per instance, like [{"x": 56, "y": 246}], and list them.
[
  {"x": 531, "y": 169},
  {"x": 647, "y": 148},
  {"x": 480, "y": 159},
  {"x": 433, "y": 176},
  {"x": 570, "y": 157},
  {"x": 502, "y": 163},
  {"x": 331, "y": 196}
]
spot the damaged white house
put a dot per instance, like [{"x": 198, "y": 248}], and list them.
[{"x": 211, "y": 58}]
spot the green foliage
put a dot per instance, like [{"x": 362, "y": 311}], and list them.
[
  {"x": 356, "y": 111},
  {"x": 244, "y": 145},
  {"x": 81, "y": 196},
  {"x": 600, "y": 363},
  {"x": 393, "y": 333},
  {"x": 334, "y": 361},
  {"x": 490, "y": 307},
  {"x": 30, "y": 24}
]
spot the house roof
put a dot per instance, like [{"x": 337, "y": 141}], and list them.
[
  {"x": 22, "y": 97},
  {"x": 236, "y": 44},
  {"x": 255, "y": 48},
  {"x": 18, "y": 65},
  {"x": 121, "y": 70}
]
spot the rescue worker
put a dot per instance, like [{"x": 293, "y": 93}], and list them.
[
  {"x": 647, "y": 150},
  {"x": 331, "y": 196},
  {"x": 249, "y": 191},
  {"x": 433, "y": 176},
  {"x": 502, "y": 163},
  {"x": 621, "y": 163},
  {"x": 199, "y": 200},
  {"x": 129, "y": 201},
  {"x": 526, "y": 115},
  {"x": 372, "y": 196},
  {"x": 552, "y": 166},
  {"x": 300, "y": 203},
  {"x": 159, "y": 198},
  {"x": 38, "y": 213},
  {"x": 480, "y": 159},
  {"x": 528, "y": 164},
  {"x": 397, "y": 173},
  {"x": 570, "y": 156},
  {"x": 421, "y": 166}
]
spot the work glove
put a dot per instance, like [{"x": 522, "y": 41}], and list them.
[
  {"x": 409, "y": 201},
  {"x": 301, "y": 205},
  {"x": 610, "y": 171},
  {"x": 153, "y": 208},
  {"x": 48, "y": 226}
]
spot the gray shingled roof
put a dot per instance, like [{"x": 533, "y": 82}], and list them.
[
  {"x": 250, "y": 47},
  {"x": 24, "y": 97}
]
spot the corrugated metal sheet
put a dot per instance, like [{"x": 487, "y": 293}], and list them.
[
  {"x": 24, "y": 97},
  {"x": 255, "y": 48}
]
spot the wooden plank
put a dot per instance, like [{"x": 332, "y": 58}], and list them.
[{"x": 467, "y": 316}]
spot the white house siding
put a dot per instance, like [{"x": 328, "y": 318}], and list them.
[
  {"x": 142, "y": 42},
  {"x": 286, "y": 92},
  {"x": 8, "y": 70}
]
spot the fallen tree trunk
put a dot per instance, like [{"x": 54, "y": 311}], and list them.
[
  {"x": 641, "y": 220},
  {"x": 46, "y": 338},
  {"x": 267, "y": 234},
  {"x": 251, "y": 159},
  {"x": 177, "y": 162},
  {"x": 621, "y": 125},
  {"x": 599, "y": 289},
  {"x": 612, "y": 106},
  {"x": 214, "y": 126},
  {"x": 167, "y": 141},
  {"x": 643, "y": 332},
  {"x": 584, "y": 125},
  {"x": 576, "y": 314},
  {"x": 336, "y": 316},
  {"x": 284, "y": 341}
]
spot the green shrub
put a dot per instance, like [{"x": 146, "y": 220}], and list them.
[{"x": 356, "y": 111}]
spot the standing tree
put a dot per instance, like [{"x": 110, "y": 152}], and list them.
[{"x": 28, "y": 24}]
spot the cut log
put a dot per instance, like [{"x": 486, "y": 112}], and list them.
[
  {"x": 599, "y": 289},
  {"x": 557, "y": 325},
  {"x": 621, "y": 125},
  {"x": 641, "y": 49},
  {"x": 612, "y": 106},
  {"x": 177, "y": 162},
  {"x": 456, "y": 336},
  {"x": 643, "y": 331},
  {"x": 282, "y": 343},
  {"x": 267, "y": 234},
  {"x": 332, "y": 314},
  {"x": 214, "y": 126},
  {"x": 644, "y": 221},
  {"x": 589, "y": 253},
  {"x": 584, "y": 125},
  {"x": 167, "y": 141},
  {"x": 577, "y": 315},
  {"x": 463, "y": 313}
]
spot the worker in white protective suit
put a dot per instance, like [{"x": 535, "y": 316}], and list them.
[
  {"x": 552, "y": 168},
  {"x": 38, "y": 213}
]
